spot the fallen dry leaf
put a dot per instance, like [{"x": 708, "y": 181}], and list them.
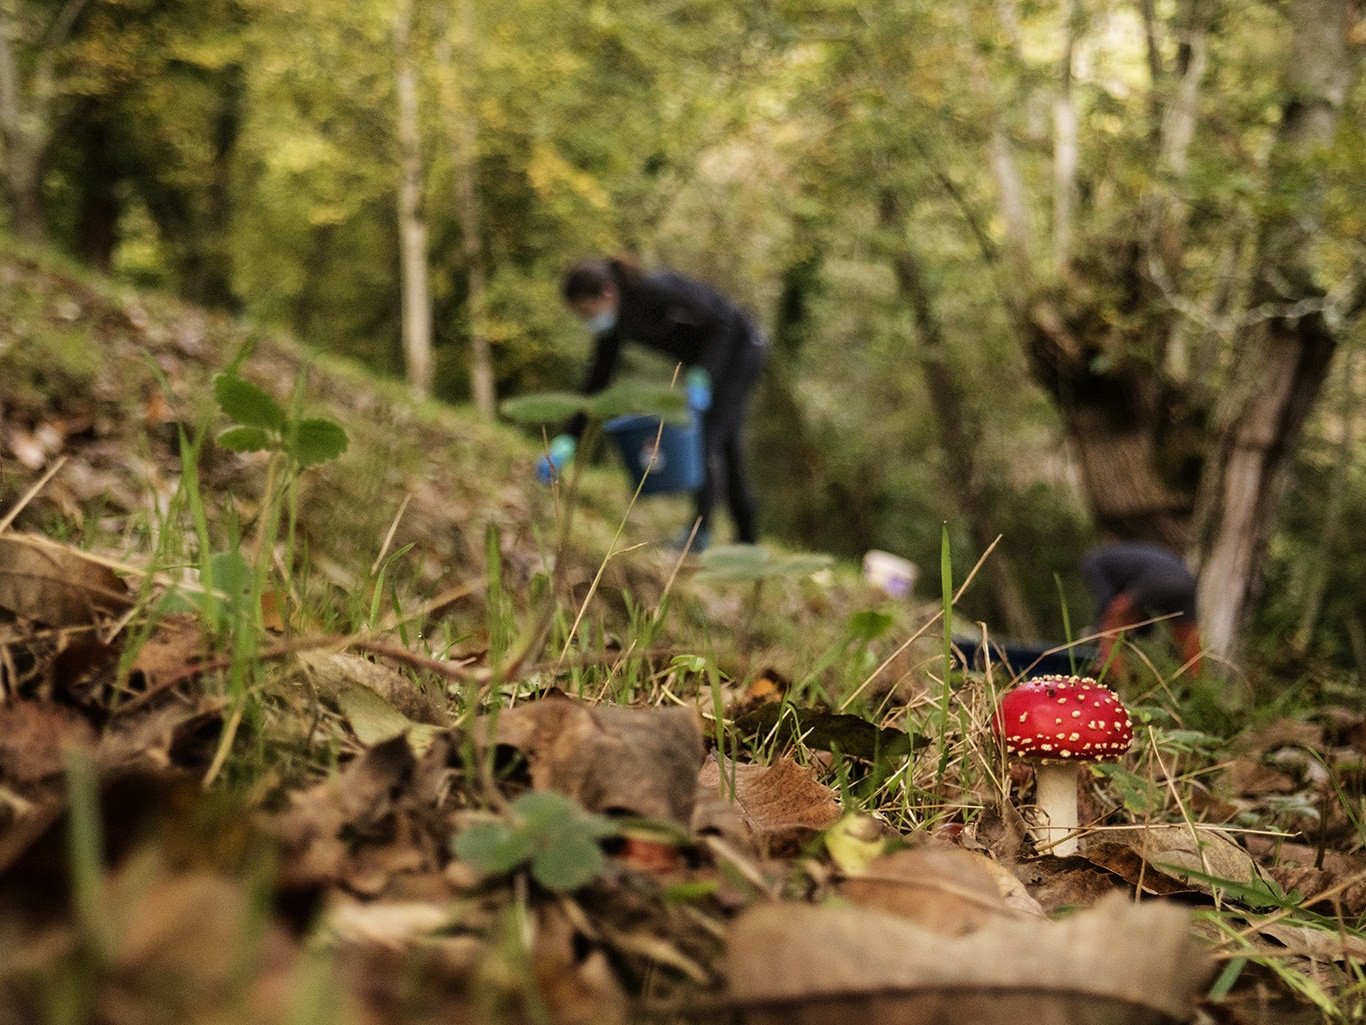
[
  {"x": 1128, "y": 864},
  {"x": 1174, "y": 848},
  {"x": 386, "y": 923},
  {"x": 1000, "y": 830},
  {"x": 55, "y": 584},
  {"x": 1279, "y": 733},
  {"x": 1306, "y": 941},
  {"x": 639, "y": 761},
  {"x": 781, "y": 807},
  {"x": 353, "y": 829},
  {"x": 338, "y": 673},
  {"x": 181, "y": 732},
  {"x": 33, "y": 735},
  {"x": 941, "y": 887},
  {"x": 1247, "y": 777},
  {"x": 1311, "y": 881},
  {"x": 174, "y": 647},
  {"x": 1058, "y": 883},
  {"x": 578, "y": 989},
  {"x": 802, "y": 965}
]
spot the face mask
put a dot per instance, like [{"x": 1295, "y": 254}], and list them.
[{"x": 602, "y": 322}]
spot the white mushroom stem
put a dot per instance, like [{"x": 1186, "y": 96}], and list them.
[{"x": 1055, "y": 796}]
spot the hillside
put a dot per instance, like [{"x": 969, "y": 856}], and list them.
[
  {"x": 79, "y": 381},
  {"x": 106, "y": 378}
]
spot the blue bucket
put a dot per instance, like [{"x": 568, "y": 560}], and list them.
[{"x": 675, "y": 466}]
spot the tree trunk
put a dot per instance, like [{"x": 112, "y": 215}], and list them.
[
  {"x": 417, "y": 308},
  {"x": 99, "y": 207},
  {"x": 462, "y": 128},
  {"x": 23, "y": 142},
  {"x": 1066, "y": 154},
  {"x": 1286, "y": 355},
  {"x": 216, "y": 277},
  {"x": 1317, "y": 577},
  {"x": 26, "y": 128},
  {"x": 959, "y": 432}
]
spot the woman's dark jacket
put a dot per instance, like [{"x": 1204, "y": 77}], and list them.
[{"x": 687, "y": 320}]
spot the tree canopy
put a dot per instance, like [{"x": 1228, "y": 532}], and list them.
[{"x": 1053, "y": 271}]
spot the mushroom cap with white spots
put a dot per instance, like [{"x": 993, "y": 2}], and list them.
[{"x": 1065, "y": 717}]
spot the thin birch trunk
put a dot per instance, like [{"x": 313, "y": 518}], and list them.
[
  {"x": 1066, "y": 155},
  {"x": 417, "y": 311}
]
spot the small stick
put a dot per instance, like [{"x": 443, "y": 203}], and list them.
[{"x": 30, "y": 494}]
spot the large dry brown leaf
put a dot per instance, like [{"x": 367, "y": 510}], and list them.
[
  {"x": 641, "y": 761},
  {"x": 941, "y": 887},
  {"x": 780, "y": 806},
  {"x": 1251, "y": 778},
  {"x": 1128, "y": 864},
  {"x": 1338, "y": 870},
  {"x": 1280, "y": 733},
  {"x": 1115, "y": 964},
  {"x": 55, "y": 584},
  {"x": 578, "y": 990},
  {"x": 1179, "y": 850}
]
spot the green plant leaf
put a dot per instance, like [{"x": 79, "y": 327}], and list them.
[
  {"x": 543, "y": 407},
  {"x": 244, "y": 439},
  {"x": 869, "y": 625},
  {"x": 316, "y": 440},
  {"x": 246, "y": 404},
  {"x": 737, "y": 563},
  {"x": 544, "y": 812},
  {"x": 233, "y": 578},
  {"x": 231, "y": 574},
  {"x": 493, "y": 848},
  {"x": 627, "y": 398},
  {"x": 570, "y": 860}
]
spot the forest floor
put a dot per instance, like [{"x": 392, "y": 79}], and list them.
[{"x": 396, "y": 735}]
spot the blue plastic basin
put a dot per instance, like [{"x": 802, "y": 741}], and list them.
[{"x": 677, "y": 463}]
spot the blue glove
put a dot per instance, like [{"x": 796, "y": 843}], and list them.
[
  {"x": 698, "y": 385},
  {"x": 561, "y": 451}
]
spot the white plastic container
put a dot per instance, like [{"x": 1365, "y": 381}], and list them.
[{"x": 889, "y": 573}]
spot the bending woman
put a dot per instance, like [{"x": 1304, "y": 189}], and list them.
[{"x": 696, "y": 325}]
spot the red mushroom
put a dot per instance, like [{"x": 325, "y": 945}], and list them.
[{"x": 1059, "y": 722}]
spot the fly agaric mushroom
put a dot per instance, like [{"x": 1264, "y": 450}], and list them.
[{"x": 1057, "y": 723}]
